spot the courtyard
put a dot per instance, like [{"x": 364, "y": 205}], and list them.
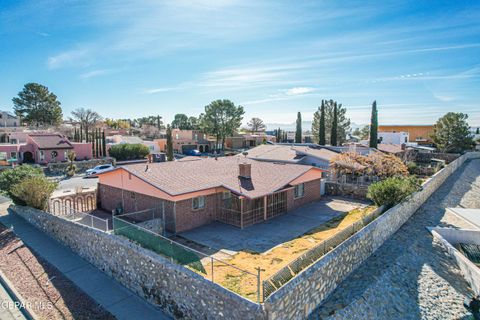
[{"x": 264, "y": 236}]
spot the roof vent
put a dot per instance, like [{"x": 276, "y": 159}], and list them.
[{"x": 245, "y": 170}]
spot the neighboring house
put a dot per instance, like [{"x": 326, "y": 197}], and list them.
[
  {"x": 420, "y": 134},
  {"x": 8, "y": 120},
  {"x": 184, "y": 140},
  {"x": 395, "y": 149},
  {"x": 121, "y": 139},
  {"x": 43, "y": 148},
  {"x": 246, "y": 140},
  {"x": 295, "y": 154},
  {"x": 393, "y": 137},
  {"x": 236, "y": 191}
]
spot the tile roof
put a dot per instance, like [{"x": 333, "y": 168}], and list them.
[
  {"x": 179, "y": 177},
  {"x": 390, "y": 148},
  {"x": 274, "y": 152},
  {"x": 323, "y": 153},
  {"x": 51, "y": 141}
]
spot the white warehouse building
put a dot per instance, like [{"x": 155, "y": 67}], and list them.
[{"x": 393, "y": 137}]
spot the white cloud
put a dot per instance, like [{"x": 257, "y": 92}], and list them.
[
  {"x": 299, "y": 91},
  {"x": 68, "y": 58},
  {"x": 95, "y": 73}
]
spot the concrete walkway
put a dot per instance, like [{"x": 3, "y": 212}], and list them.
[
  {"x": 111, "y": 295},
  {"x": 7, "y": 309},
  {"x": 264, "y": 236}
]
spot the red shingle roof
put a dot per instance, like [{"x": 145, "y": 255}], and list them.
[
  {"x": 181, "y": 177},
  {"x": 51, "y": 141}
]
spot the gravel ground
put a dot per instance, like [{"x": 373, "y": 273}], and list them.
[
  {"x": 411, "y": 276},
  {"x": 48, "y": 292}
]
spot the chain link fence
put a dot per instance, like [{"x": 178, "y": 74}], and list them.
[
  {"x": 281, "y": 277},
  {"x": 85, "y": 218},
  {"x": 240, "y": 281}
]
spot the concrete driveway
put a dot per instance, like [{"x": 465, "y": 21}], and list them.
[{"x": 266, "y": 235}]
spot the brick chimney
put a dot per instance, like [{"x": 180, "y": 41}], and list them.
[{"x": 245, "y": 170}]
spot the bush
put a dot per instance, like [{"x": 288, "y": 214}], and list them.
[
  {"x": 375, "y": 164},
  {"x": 71, "y": 168},
  {"x": 11, "y": 177},
  {"x": 129, "y": 151},
  {"x": 35, "y": 191},
  {"x": 391, "y": 191},
  {"x": 412, "y": 167}
]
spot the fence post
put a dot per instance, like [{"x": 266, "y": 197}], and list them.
[
  {"x": 258, "y": 285},
  {"x": 106, "y": 225},
  {"x": 91, "y": 219},
  {"x": 212, "y": 269}
]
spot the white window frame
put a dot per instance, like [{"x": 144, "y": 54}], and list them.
[
  {"x": 3, "y": 156},
  {"x": 200, "y": 203},
  {"x": 298, "y": 188},
  {"x": 41, "y": 155}
]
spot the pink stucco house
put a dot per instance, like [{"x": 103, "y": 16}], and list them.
[{"x": 43, "y": 148}]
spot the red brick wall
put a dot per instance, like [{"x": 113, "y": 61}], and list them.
[
  {"x": 187, "y": 218},
  {"x": 312, "y": 193},
  {"x": 111, "y": 198}
]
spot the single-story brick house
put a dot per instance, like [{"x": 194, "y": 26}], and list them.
[
  {"x": 233, "y": 190},
  {"x": 43, "y": 148}
]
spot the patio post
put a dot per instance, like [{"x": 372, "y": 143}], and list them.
[
  {"x": 241, "y": 213},
  {"x": 265, "y": 201}
]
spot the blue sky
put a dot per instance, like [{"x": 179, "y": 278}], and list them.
[{"x": 418, "y": 59}]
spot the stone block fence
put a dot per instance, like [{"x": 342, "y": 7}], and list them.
[
  {"x": 299, "y": 297},
  {"x": 184, "y": 294},
  {"x": 59, "y": 168}
]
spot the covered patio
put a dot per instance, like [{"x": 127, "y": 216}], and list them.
[{"x": 242, "y": 212}]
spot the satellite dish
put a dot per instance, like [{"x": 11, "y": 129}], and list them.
[{"x": 245, "y": 153}]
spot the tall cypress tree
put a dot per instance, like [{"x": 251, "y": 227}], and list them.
[
  {"x": 97, "y": 144},
  {"x": 81, "y": 133},
  {"x": 321, "y": 131},
  {"x": 298, "y": 132},
  {"x": 169, "y": 144},
  {"x": 104, "y": 145},
  {"x": 374, "y": 126},
  {"x": 333, "y": 135}
]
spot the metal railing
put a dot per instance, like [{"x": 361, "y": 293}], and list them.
[
  {"x": 83, "y": 218},
  {"x": 233, "y": 278},
  {"x": 352, "y": 179},
  {"x": 281, "y": 277}
]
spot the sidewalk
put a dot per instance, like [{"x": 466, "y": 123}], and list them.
[{"x": 111, "y": 295}]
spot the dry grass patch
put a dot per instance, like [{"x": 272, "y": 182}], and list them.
[{"x": 277, "y": 258}]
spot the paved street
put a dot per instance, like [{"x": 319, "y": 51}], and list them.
[
  {"x": 411, "y": 276},
  {"x": 72, "y": 183}
]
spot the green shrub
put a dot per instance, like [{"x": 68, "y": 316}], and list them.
[
  {"x": 412, "y": 167},
  {"x": 129, "y": 151},
  {"x": 11, "y": 177},
  {"x": 71, "y": 168},
  {"x": 35, "y": 191},
  {"x": 391, "y": 191}
]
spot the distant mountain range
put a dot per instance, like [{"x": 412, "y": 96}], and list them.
[{"x": 306, "y": 126}]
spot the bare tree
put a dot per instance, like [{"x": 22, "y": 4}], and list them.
[
  {"x": 256, "y": 124},
  {"x": 87, "y": 118}
]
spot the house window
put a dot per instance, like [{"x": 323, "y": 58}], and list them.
[
  {"x": 3, "y": 156},
  {"x": 176, "y": 136},
  {"x": 299, "y": 190},
  {"x": 54, "y": 155},
  {"x": 227, "y": 199},
  {"x": 13, "y": 155},
  {"x": 198, "y": 203},
  {"x": 195, "y": 137},
  {"x": 42, "y": 155}
]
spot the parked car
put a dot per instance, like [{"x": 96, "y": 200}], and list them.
[
  {"x": 192, "y": 152},
  {"x": 99, "y": 169}
]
